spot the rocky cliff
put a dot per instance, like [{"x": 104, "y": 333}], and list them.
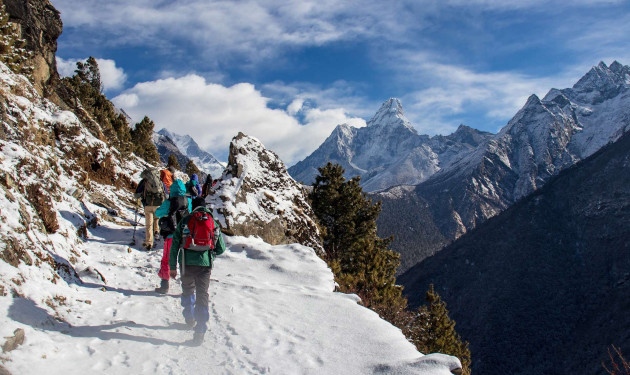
[
  {"x": 256, "y": 196},
  {"x": 40, "y": 25}
]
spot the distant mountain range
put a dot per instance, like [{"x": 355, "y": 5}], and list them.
[
  {"x": 389, "y": 151},
  {"x": 543, "y": 138},
  {"x": 543, "y": 287},
  {"x": 185, "y": 148}
]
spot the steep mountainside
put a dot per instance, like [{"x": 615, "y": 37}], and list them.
[
  {"x": 167, "y": 147},
  {"x": 389, "y": 151},
  {"x": 543, "y": 287},
  {"x": 543, "y": 138},
  {"x": 202, "y": 159}
]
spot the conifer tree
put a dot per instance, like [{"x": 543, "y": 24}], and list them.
[
  {"x": 172, "y": 162},
  {"x": 12, "y": 49},
  {"x": 433, "y": 331},
  {"x": 142, "y": 138},
  {"x": 85, "y": 86},
  {"x": 191, "y": 168},
  {"x": 361, "y": 261}
]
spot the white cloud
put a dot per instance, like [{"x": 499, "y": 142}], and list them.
[
  {"x": 453, "y": 93},
  {"x": 112, "y": 77},
  {"x": 212, "y": 114}
]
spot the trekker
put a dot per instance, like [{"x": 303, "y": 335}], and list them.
[
  {"x": 152, "y": 193},
  {"x": 206, "y": 189},
  {"x": 192, "y": 187},
  {"x": 199, "y": 237},
  {"x": 170, "y": 213},
  {"x": 167, "y": 176}
]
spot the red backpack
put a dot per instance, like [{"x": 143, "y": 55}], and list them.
[{"x": 201, "y": 227}]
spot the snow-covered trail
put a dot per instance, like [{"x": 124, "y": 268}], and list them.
[{"x": 272, "y": 312}]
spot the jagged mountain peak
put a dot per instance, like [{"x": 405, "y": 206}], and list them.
[
  {"x": 185, "y": 144},
  {"x": 390, "y": 114},
  {"x": 603, "y": 78}
]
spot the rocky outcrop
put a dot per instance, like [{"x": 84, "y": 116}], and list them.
[
  {"x": 40, "y": 25},
  {"x": 257, "y": 197}
]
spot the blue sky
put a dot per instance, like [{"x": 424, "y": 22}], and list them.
[{"x": 288, "y": 72}]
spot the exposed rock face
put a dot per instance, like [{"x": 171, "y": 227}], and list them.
[
  {"x": 543, "y": 138},
  {"x": 388, "y": 151},
  {"x": 544, "y": 284},
  {"x": 40, "y": 25},
  {"x": 258, "y": 197}
]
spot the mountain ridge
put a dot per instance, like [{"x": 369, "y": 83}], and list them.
[{"x": 543, "y": 138}]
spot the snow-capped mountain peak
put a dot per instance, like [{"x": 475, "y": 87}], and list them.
[
  {"x": 202, "y": 159},
  {"x": 390, "y": 114},
  {"x": 607, "y": 81}
]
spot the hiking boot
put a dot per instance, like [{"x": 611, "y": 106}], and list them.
[
  {"x": 198, "y": 338},
  {"x": 190, "y": 322},
  {"x": 163, "y": 289}
]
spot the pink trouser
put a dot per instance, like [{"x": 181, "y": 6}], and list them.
[{"x": 164, "y": 265}]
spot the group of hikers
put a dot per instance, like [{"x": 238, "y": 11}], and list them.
[{"x": 177, "y": 211}]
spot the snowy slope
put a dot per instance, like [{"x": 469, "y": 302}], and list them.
[
  {"x": 85, "y": 299},
  {"x": 272, "y": 311}
]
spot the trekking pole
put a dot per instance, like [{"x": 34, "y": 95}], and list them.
[{"x": 135, "y": 225}]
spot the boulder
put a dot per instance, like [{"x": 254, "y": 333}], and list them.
[{"x": 257, "y": 197}]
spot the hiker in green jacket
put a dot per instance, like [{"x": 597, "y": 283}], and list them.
[{"x": 196, "y": 241}]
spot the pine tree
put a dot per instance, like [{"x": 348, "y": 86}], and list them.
[
  {"x": 142, "y": 138},
  {"x": 433, "y": 331},
  {"x": 363, "y": 264},
  {"x": 85, "y": 86},
  {"x": 191, "y": 168},
  {"x": 172, "y": 162},
  {"x": 12, "y": 49},
  {"x": 361, "y": 261},
  {"x": 89, "y": 72}
]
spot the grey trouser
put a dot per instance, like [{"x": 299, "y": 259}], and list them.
[{"x": 195, "y": 284}]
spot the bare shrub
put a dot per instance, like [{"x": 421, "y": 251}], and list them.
[
  {"x": 40, "y": 199},
  {"x": 617, "y": 368}
]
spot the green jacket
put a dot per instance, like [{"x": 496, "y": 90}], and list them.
[{"x": 193, "y": 258}]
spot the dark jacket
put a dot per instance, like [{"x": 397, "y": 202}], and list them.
[{"x": 148, "y": 199}]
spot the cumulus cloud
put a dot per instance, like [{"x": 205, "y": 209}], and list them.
[
  {"x": 112, "y": 77},
  {"x": 212, "y": 114}
]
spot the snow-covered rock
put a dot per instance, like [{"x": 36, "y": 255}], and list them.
[
  {"x": 388, "y": 151},
  {"x": 256, "y": 196}
]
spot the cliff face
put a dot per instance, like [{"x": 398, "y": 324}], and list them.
[{"x": 40, "y": 25}]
